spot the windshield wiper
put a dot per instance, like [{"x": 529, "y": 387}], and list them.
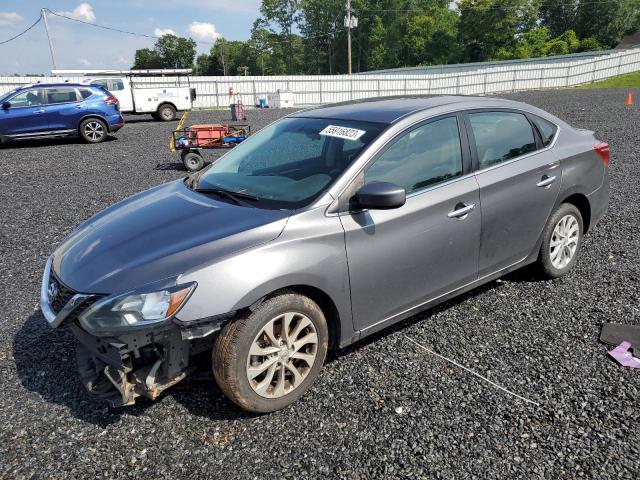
[{"x": 233, "y": 196}]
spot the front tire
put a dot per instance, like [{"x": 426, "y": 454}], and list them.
[
  {"x": 93, "y": 130},
  {"x": 269, "y": 359},
  {"x": 561, "y": 241}
]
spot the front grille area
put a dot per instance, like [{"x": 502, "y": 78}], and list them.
[{"x": 62, "y": 296}]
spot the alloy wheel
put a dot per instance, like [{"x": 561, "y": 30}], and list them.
[
  {"x": 564, "y": 241},
  {"x": 282, "y": 355},
  {"x": 94, "y": 130}
]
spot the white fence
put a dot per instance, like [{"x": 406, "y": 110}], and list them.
[{"x": 486, "y": 79}]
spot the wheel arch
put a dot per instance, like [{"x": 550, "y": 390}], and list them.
[
  {"x": 581, "y": 202},
  {"x": 97, "y": 117},
  {"x": 171, "y": 104},
  {"x": 323, "y": 300}
]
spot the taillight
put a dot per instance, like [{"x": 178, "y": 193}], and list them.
[
  {"x": 603, "y": 150},
  {"x": 111, "y": 100}
]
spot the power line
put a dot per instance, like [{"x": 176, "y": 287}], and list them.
[
  {"x": 23, "y": 32},
  {"x": 101, "y": 26},
  {"x": 496, "y": 7}
]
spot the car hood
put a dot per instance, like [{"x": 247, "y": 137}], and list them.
[{"x": 157, "y": 234}]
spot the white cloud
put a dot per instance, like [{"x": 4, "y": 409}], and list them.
[
  {"x": 84, "y": 62},
  {"x": 203, "y": 32},
  {"x": 9, "y": 18},
  {"x": 158, "y": 32},
  {"x": 83, "y": 12}
]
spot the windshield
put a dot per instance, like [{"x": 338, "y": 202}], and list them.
[
  {"x": 6, "y": 96},
  {"x": 291, "y": 162}
]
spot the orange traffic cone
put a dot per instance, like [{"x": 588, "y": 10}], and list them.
[{"x": 629, "y": 99}]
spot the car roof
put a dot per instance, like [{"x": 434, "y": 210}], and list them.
[
  {"x": 391, "y": 109},
  {"x": 55, "y": 85}
]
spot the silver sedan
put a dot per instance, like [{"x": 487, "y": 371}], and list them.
[{"x": 319, "y": 230}]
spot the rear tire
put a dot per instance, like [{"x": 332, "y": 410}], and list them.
[
  {"x": 193, "y": 161},
  {"x": 261, "y": 368},
  {"x": 166, "y": 113},
  {"x": 93, "y": 130},
  {"x": 561, "y": 241}
]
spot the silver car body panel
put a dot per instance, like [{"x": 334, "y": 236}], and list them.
[{"x": 375, "y": 267}]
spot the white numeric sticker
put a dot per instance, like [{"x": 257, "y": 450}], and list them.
[{"x": 342, "y": 132}]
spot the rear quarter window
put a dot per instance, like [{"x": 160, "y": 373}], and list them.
[
  {"x": 547, "y": 130},
  {"x": 85, "y": 93}
]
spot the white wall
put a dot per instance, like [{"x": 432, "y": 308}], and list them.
[{"x": 495, "y": 77}]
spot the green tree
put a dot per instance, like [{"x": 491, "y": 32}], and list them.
[
  {"x": 605, "y": 20},
  {"x": 285, "y": 14},
  {"x": 322, "y": 27},
  {"x": 559, "y": 16},
  {"x": 146, "y": 58},
  {"x": 377, "y": 43},
  {"x": 488, "y": 27},
  {"x": 589, "y": 44},
  {"x": 169, "y": 51},
  {"x": 176, "y": 52},
  {"x": 433, "y": 38}
]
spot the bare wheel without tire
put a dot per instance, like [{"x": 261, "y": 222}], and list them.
[
  {"x": 93, "y": 130},
  {"x": 271, "y": 358},
  {"x": 561, "y": 242}
]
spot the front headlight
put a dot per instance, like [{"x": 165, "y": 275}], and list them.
[{"x": 136, "y": 309}]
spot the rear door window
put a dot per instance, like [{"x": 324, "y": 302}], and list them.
[
  {"x": 61, "y": 95},
  {"x": 501, "y": 136},
  {"x": 30, "y": 98}
]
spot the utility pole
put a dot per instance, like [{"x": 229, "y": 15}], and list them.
[
  {"x": 224, "y": 67},
  {"x": 348, "y": 36},
  {"x": 43, "y": 12},
  {"x": 350, "y": 22}
]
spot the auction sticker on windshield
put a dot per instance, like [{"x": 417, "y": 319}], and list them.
[{"x": 342, "y": 132}]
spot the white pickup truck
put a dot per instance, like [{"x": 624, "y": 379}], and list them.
[{"x": 160, "y": 97}]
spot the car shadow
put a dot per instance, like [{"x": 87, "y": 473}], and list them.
[
  {"x": 45, "y": 363},
  {"x": 412, "y": 320},
  {"x": 170, "y": 166},
  {"x": 49, "y": 142},
  {"x": 147, "y": 119}
]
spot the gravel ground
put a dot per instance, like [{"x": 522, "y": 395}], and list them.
[{"x": 381, "y": 408}]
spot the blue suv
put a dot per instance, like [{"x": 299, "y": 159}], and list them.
[{"x": 59, "y": 109}]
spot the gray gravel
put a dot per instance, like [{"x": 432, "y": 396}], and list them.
[{"x": 536, "y": 338}]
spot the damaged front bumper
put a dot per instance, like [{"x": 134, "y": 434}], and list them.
[
  {"x": 127, "y": 365},
  {"x": 123, "y": 368}
]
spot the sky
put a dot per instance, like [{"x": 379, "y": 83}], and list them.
[{"x": 79, "y": 46}]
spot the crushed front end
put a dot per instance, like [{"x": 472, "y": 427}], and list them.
[{"x": 120, "y": 355}]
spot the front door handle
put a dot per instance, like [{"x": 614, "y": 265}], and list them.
[
  {"x": 461, "y": 210},
  {"x": 546, "y": 181},
  {"x": 39, "y": 111}
]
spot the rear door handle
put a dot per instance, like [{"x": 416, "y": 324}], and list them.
[
  {"x": 546, "y": 181},
  {"x": 461, "y": 210},
  {"x": 39, "y": 111}
]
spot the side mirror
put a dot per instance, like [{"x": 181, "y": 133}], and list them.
[
  {"x": 6, "y": 105},
  {"x": 380, "y": 196}
]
